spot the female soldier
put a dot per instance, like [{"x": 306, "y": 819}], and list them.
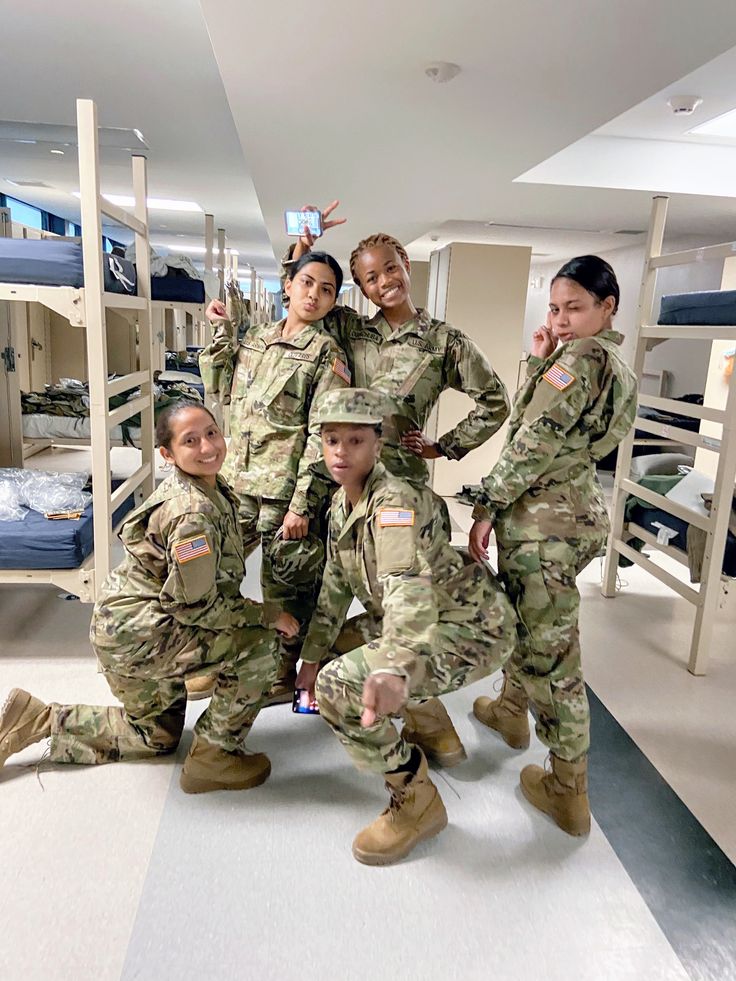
[
  {"x": 406, "y": 354},
  {"x": 271, "y": 379},
  {"x": 546, "y": 505},
  {"x": 173, "y": 607},
  {"x": 433, "y": 625}
]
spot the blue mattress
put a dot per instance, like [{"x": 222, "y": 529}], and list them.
[
  {"x": 37, "y": 543},
  {"x": 716, "y": 307},
  {"x": 177, "y": 289},
  {"x": 57, "y": 262}
]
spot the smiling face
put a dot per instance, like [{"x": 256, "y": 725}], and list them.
[
  {"x": 350, "y": 452},
  {"x": 384, "y": 277},
  {"x": 312, "y": 292},
  {"x": 576, "y": 313},
  {"x": 196, "y": 446}
]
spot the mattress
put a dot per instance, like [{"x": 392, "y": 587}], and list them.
[
  {"x": 58, "y": 262},
  {"x": 40, "y": 426},
  {"x": 647, "y": 517},
  {"x": 177, "y": 288},
  {"x": 716, "y": 307},
  {"x": 37, "y": 543}
]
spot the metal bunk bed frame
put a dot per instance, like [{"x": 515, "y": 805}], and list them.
[
  {"x": 86, "y": 308},
  {"x": 708, "y": 597}
]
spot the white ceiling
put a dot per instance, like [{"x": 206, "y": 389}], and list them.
[
  {"x": 148, "y": 65},
  {"x": 252, "y": 108}
]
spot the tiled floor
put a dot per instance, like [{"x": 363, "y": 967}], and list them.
[{"x": 112, "y": 872}]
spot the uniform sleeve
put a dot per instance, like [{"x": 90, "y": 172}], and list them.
[
  {"x": 467, "y": 370},
  {"x": 550, "y": 415},
  {"x": 335, "y": 597},
  {"x": 190, "y": 592},
  {"x": 332, "y": 372},
  {"x": 217, "y": 361},
  {"x": 410, "y": 611}
]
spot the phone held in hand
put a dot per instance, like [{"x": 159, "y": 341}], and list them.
[
  {"x": 302, "y": 703},
  {"x": 296, "y": 220}
]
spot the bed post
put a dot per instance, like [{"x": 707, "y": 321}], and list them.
[{"x": 145, "y": 332}]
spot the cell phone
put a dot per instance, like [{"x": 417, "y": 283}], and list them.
[
  {"x": 303, "y": 704},
  {"x": 296, "y": 220}
]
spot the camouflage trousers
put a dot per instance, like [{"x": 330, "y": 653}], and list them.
[
  {"x": 149, "y": 681},
  {"x": 540, "y": 580},
  {"x": 291, "y": 572},
  {"x": 462, "y": 653}
]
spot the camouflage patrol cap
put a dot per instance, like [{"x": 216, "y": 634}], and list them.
[
  {"x": 358, "y": 406},
  {"x": 296, "y": 562}
]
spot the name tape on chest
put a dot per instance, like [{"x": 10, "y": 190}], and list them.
[
  {"x": 299, "y": 356},
  {"x": 425, "y": 346},
  {"x": 395, "y": 518},
  {"x": 558, "y": 377},
  {"x": 341, "y": 370},
  {"x": 192, "y": 548}
]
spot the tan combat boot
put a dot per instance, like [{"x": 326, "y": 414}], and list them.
[
  {"x": 200, "y": 686},
  {"x": 24, "y": 720},
  {"x": 416, "y": 812},
  {"x": 282, "y": 690},
  {"x": 563, "y": 793},
  {"x": 507, "y": 714},
  {"x": 207, "y": 767},
  {"x": 430, "y": 728}
]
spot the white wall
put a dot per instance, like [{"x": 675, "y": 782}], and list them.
[{"x": 686, "y": 360}]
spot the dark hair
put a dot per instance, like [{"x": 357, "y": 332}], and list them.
[
  {"x": 164, "y": 435},
  {"x": 325, "y": 259},
  {"x": 372, "y": 242},
  {"x": 594, "y": 274}
]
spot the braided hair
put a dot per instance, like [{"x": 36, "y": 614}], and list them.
[{"x": 372, "y": 242}]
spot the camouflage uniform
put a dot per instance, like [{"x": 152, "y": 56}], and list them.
[
  {"x": 414, "y": 365},
  {"x": 271, "y": 383},
  {"x": 550, "y": 519},
  {"x": 432, "y": 619},
  {"x": 173, "y": 608}
]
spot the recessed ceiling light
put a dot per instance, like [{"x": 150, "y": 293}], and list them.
[
  {"x": 154, "y": 204},
  {"x": 723, "y": 125},
  {"x": 59, "y": 153}
]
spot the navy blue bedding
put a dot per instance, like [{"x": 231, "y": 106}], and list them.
[
  {"x": 37, "y": 543},
  {"x": 58, "y": 262},
  {"x": 177, "y": 289},
  {"x": 646, "y": 517},
  {"x": 716, "y": 307}
]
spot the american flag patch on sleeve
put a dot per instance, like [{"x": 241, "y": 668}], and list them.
[
  {"x": 395, "y": 517},
  {"x": 558, "y": 377},
  {"x": 341, "y": 370},
  {"x": 192, "y": 548}
]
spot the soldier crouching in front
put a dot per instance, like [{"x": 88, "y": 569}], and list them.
[
  {"x": 170, "y": 611},
  {"x": 433, "y": 625}
]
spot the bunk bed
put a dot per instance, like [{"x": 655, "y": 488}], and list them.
[
  {"x": 688, "y": 317},
  {"x": 88, "y": 305}
]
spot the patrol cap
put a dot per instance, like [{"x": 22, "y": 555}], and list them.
[
  {"x": 358, "y": 406},
  {"x": 298, "y": 561}
]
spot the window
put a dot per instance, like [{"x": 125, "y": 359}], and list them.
[{"x": 25, "y": 214}]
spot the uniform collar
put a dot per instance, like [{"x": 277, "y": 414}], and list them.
[
  {"x": 614, "y": 336},
  {"x": 273, "y": 334},
  {"x": 359, "y": 511},
  {"x": 418, "y": 325},
  {"x": 221, "y": 488}
]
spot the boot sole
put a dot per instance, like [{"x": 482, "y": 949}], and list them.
[
  {"x": 515, "y": 742},
  {"x": 577, "y": 830},
  {"x": 197, "y": 785},
  {"x": 383, "y": 858}
]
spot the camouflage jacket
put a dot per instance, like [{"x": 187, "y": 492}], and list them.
[
  {"x": 413, "y": 366},
  {"x": 574, "y": 408},
  {"x": 272, "y": 383},
  {"x": 391, "y": 553},
  {"x": 184, "y": 563}
]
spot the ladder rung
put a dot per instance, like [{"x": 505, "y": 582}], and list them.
[
  {"x": 682, "y": 436},
  {"x": 124, "y": 412},
  {"x": 127, "y": 382},
  {"x": 665, "y": 504},
  {"x": 687, "y": 592},
  {"x": 683, "y": 408},
  {"x": 686, "y": 256},
  {"x": 135, "y": 480}
]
